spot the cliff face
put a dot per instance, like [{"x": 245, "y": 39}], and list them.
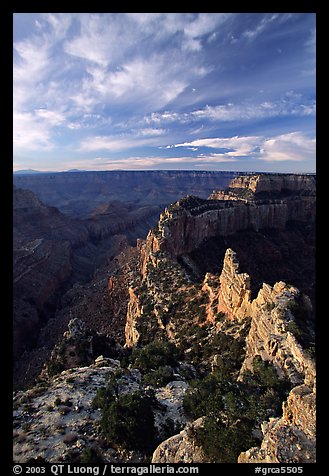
[
  {"x": 43, "y": 246},
  {"x": 276, "y": 320},
  {"x": 51, "y": 253},
  {"x": 291, "y": 438},
  {"x": 276, "y": 183},
  {"x": 186, "y": 224},
  {"x": 273, "y": 336}
]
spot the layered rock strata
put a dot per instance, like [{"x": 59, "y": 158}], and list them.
[
  {"x": 271, "y": 323},
  {"x": 276, "y": 183},
  {"x": 186, "y": 224},
  {"x": 290, "y": 438}
]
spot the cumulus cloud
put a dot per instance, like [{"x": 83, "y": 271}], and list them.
[
  {"x": 240, "y": 146},
  {"x": 294, "y": 146}
]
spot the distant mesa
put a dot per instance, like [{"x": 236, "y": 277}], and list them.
[
  {"x": 75, "y": 170},
  {"x": 27, "y": 171}
]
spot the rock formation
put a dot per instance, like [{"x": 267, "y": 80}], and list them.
[
  {"x": 218, "y": 308},
  {"x": 181, "y": 448},
  {"x": 276, "y": 183},
  {"x": 53, "y": 252},
  {"x": 58, "y": 422},
  {"x": 187, "y": 223},
  {"x": 278, "y": 316},
  {"x": 292, "y": 438}
]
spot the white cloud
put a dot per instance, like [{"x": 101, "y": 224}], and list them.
[
  {"x": 150, "y": 82},
  {"x": 167, "y": 116},
  {"x": 291, "y": 104},
  {"x": 118, "y": 143},
  {"x": 262, "y": 25},
  {"x": 241, "y": 145},
  {"x": 31, "y": 133},
  {"x": 95, "y": 41},
  {"x": 130, "y": 162},
  {"x": 294, "y": 146},
  {"x": 149, "y": 131},
  {"x": 53, "y": 118}
]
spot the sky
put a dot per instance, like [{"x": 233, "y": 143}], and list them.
[{"x": 164, "y": 91}]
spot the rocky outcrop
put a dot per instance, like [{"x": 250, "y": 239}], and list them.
[
  {"x": 181, "y": 448},
  {"x": 273, "y": 333},
  {"x": 273, "y": 336},
  {"x": 58, "y": 422},
  {"x": 292, "y": 438},
  {"x": 273, "y": 318},
  {"x": 275, "y": 183},
  {"x": 134, "y": 311},
  {"x": 234, "y": 297},
  {"x": 74, "y": 349},
  {"x": 186, "y": 224}
]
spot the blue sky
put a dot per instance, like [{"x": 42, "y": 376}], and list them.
[{"x": 136, "y": 91}]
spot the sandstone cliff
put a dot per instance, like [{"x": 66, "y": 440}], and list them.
[
  {"x": 186, "y": 224},
  {"x": 276, "y": 183},
  {"x": 276, "y": 320},
  {"x": 292, "y": 438},
  {"x": 274, "y": 336},
  {"x": 270, "y": 320}
]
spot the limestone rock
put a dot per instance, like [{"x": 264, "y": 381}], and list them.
[
  {"x": 234, "y": 294},
  {"x": 184, "y": 225},
  {"x": 290, "y": 439},
  {"x": 52, "y": 426},
  {"x": 181, "y": 448},
  {"x": 275, "y": 182},
  {"x": 133, "y": 313}
]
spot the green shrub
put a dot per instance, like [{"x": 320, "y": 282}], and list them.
[
  {"x": 128, "y": 421},
  {"x": 155, "y": 354},
  {"x": 58, "y": 401},
  {"x": 232, "y": 410},
  {"x": 159, "y": 377},
  {"x": 90, "y": 456},
  {"x": 100, "y": 398},
  {"x": 222, "y": 442},
  {"x": 55, "y": 367}
]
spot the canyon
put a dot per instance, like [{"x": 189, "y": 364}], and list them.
[
  {"x": 69, "y": 226},
  {"x": 217, "y": 300},
  {"x": 79, "y": 193}
]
